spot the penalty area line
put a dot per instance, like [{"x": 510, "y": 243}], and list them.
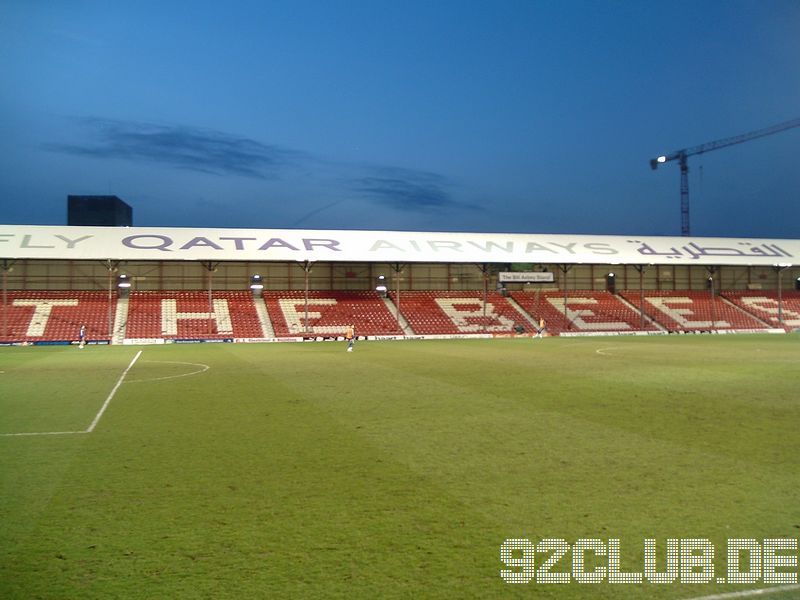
[
  {"x": 41, "y": 433},
  {"x": 97, "y": 416},
  {"x": 750, "y": 593},
  {"x": 111, "y": 395}
]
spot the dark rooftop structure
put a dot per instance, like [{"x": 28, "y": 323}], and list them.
[{"x": 108, "y": 211}]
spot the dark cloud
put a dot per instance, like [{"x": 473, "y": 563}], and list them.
[
  {"x": 195, "y": 149},
  {"x": 407, "y": 190},
  {"x": 225, "y": 154}
]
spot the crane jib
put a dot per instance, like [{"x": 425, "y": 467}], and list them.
[{"x": 683, "y": 154}]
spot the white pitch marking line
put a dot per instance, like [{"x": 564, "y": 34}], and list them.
[
  {"x": 750, "y": 593},
  {"x": 41, "y": 433},
  {"x": 97, "y": 417},
  {"x": 601, "y": 350},
  {"x": 111, "y": 395},
  {"x": 203, "y": 369}
]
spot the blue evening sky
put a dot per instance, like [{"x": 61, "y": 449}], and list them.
[{"x": 438, "y": 115}]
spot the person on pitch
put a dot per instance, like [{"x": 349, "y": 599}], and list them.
[
  {"x": 350, "y": 337},
  {"x": 82, "y": 336}
]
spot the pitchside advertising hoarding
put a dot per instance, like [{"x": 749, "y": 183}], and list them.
[{"x": 174, "y": 243}]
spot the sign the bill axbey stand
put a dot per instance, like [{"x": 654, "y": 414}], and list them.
[{"x": 525, "y": 277}]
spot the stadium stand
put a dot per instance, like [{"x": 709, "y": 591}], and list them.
[
  {"x": 329, "y": 313},
  {"x": 764, "y": 305},
  {"x": 38, "y": 316},
  {"x": 693, "y": 311},
  {"x": 584, "y": 311},
  {"x": 33, "y": 316},
  {"x": 452, "y": 313}
]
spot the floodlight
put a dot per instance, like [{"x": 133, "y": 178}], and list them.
[
  {"x": 256, "y": 285},
  {"x": 611, "y": 283},
  {"x": 123, "y": 286},
  {"x": 381, "y": 286}
]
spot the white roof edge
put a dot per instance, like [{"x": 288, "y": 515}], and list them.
[{"x": 256, "y": 245}]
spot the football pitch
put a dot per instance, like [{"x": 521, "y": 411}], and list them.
[{"x": 397, "y": 470}]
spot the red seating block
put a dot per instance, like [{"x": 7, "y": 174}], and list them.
[
  {"x": 40, "y": 315},
  {"x": 589, "y": 311},
  {"x": 767, "y": 307},
  {"x": 329, "y": 313},
  {"x": 693, "y": 311},
  {"x": 180, "y": 314},
  {"x": 452, "y": 313}
]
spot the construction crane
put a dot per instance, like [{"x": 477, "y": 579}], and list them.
[{"x": 682, "y": 155}]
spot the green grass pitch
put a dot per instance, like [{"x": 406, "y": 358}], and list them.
[{"x": 398, "y": 470}]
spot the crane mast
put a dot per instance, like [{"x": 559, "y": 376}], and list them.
[{"x": 683, "y": 155}]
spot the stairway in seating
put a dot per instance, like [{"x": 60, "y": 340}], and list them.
[
  {"x": 120, "y": 321},
  {"x": 263, "y": 317},
  {"x": 401, "y": 319}
]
